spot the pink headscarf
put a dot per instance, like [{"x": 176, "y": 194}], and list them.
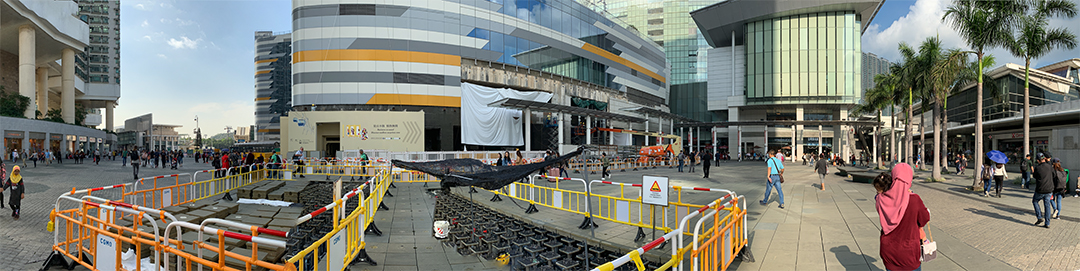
[{"x": 892, "y": 204}]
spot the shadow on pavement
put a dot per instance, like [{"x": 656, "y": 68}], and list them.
[
  {"x": 994, "y": 215},
  {"x": 852, "y": 260}
]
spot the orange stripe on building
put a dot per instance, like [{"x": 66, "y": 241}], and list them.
[
  {"x": 262, "y": 72},
  {"x": 415, "y": 99},
  {"x": 266, "y": 60},
  {"x": 269, "y": 130},
  {"x": 262, "y": 98},
  {"x": 620, "y": 60},
  {"x": 376, "y": 55}
]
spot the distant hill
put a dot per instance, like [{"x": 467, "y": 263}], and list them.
[{"x": 222, "y": 136}]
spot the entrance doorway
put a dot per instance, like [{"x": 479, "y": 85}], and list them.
[{"x": 333, "y": 144}]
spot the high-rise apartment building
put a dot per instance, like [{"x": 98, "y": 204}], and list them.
[
  {"x": 668, "y": 23},
  {"x": 872, "y": 65},
  {"x": 273, "y": 83},
  {"x": 99, "y": 63}
]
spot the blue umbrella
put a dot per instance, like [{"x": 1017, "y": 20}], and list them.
[{"x": 997, "y": 157}]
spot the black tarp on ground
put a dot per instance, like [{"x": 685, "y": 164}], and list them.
[{"x": 472, "y": 172}]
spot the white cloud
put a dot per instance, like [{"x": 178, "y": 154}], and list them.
[
  {"x": 148, "y": 38},
  {"x": 165, "y": 21},
  {"x": 184, "y": 43},
  {"x": 183, "y": 22},
  {"x": 166, "y": 5},
  {"x": 924, "y": 20},
  {"x": 162, "y": 56},
  {"x": 145, "y": 23},
  {"x": 140, "y": 7}
]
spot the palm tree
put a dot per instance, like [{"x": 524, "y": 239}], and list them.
[
  {"x": 877, "y": 99},
  {"x": 939, "y": 74},
  {"x": 984, "y": 24},
  {"x": 967, "y": 76},
  {"x": 1034, "y": 39},
  {"x": 907, "y": 73}
]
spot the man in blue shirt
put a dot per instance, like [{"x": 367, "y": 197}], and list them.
[{"x": 776, "y": 168}]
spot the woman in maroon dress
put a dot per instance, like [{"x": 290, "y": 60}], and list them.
[{"x": 902, "y": 216}]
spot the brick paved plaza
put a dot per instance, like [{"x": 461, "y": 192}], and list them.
[
  {"x": 836, "y": 229},
  {"x": 25, "y": 243}
]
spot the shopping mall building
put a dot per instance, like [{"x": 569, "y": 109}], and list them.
[
  {"x": 41, "y": 40},
  {"x": 784, "y": 74},
  {"x": 567, "y": 67},
  {"x": 1055, "y": 113}
]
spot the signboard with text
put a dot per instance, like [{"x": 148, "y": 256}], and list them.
[
  {"x": 654, "y": 190},
  {"x": 356, "y": 130}
]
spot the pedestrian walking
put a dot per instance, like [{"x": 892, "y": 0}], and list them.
[
  {"x": 902, "y": 215},
  {"x": 298, "y": 159},
  {"x": 605, "y": 162},
  {"x": 3, "y": 176},
  {"x": 822, "y": 168},
  {"x": 1025, "y": 170},
  {"x": 1059, "y": 186},
  {"x": 1044, "y": 190},
  {"x": 693, "y": 160},
  {"x": 774, "y": 179},
  {"x": 682, "y": 160},
  {"x": 135, "y": 162},
  {"x": 706, "y": 160},
  {"x": 16, "y": 186},
  {"x": 987, "y": 177},
  {"x": 999, "y": 178}
]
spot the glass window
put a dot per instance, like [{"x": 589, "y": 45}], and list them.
[
  {"x": 812, "y": 61},
  {"x": 812, "y": 84},
  {"x": 804, "y": 37},
  {"x": 813, "y": 23}
]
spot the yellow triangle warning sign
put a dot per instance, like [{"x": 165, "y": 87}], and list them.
[{"x": 655, "y": 187}]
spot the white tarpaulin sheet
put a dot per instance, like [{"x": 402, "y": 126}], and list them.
[
  {"x": 493, "y": 126},
  {"x": 622, "y": 139}
]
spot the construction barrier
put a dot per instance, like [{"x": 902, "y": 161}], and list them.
[
  {"x": 713, "y": 249},
  {"x": 160, "y": 191},
  {"x": 623, "y": 207},
  {"x": 346, "y": 241},
  {"x": 89, "y": 231}
]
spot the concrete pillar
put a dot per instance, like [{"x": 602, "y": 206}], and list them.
[
  {"x": 766, "y": 142},
  {"x": 712, "y": 131},
  {"x": 527, "y": 114},
  {"x": 647, "y": 130},
  {"x": 845, "y": 149},
  {"x": 27, "y": 68},
  {"x": 660, "y": 130},
  {"x": 797, "y": 142},
  {"x": 738, "y": 138},
  {"x": 109, "y": 116},
  {"x": 588, "y": 130},
  {"x": 794, "y": 151},
  {"x": 682, "y": 134},
  {"x": 875, "y": 154},
  {"x": 559, "y": 127},
  {"x": 67, "y": 85},
  {"x": 820, "y": 140},
  {"x": 42, "y": 90},
  {"x": 611, "y": 135}
]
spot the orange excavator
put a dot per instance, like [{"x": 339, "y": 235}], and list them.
[{"x": 652, "y": 152}]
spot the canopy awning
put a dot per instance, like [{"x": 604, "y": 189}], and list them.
[{"x": 519, "y": 104}]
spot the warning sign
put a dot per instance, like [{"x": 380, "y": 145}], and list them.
[{"x": 657, "y": 194}]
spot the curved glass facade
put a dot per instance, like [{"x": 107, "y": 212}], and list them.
[
  {"x": 806, "y": 58},
  {"x": 366, "y": 52}
]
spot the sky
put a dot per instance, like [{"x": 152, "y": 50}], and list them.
[
  {"x": 913, "y": 21},
  {"x": 187, "y": 58}
]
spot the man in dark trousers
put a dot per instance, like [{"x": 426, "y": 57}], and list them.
[
  {"x": 135, "y": 162},
  {"x": 822, "y": 168},
  {"x": 1044, "y": 188},
  {"x": 706, "y": 160},
  {"x": 1026, "y": 166}
]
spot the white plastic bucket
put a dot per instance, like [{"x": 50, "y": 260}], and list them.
[{"x": 442, "y": 228}]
